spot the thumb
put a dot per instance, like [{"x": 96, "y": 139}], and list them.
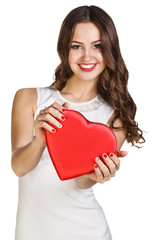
[
  {"x": 66, "y": 105},
  {"x": 121, "y": 153}
]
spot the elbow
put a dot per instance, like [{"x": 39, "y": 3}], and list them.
[
  {"x": 15, "y": 169},
  {"x": 16, "y": 172}
]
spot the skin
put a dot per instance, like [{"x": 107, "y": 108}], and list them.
[{"x": 26, "y": 148}]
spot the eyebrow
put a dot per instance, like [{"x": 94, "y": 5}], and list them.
[{"x": 82, "y": 43}]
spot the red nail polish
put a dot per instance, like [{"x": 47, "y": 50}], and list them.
[
  {"x": 105, "y": 155},
  {"x": 63, "y": 110},
  {"x": 63, "y": 117},
  {"x": 95, "y": 165},
  {"x": 53, "y": 130},
  {"x": 97, "y": 159},
  {"x": 111, "y": 154}
]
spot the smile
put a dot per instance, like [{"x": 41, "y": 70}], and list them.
[{"x": 87, "y": 67}]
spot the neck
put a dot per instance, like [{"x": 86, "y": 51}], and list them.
[{"x": 82, "y": 90}]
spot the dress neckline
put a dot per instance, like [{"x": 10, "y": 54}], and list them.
[
  {"x": 77, "y": 103},
  {"x": 87, "y": 106}
]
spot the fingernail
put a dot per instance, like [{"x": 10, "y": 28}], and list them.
[
  {"x": 63, "y": 118},
  {"x": 104, "y": 155},
  {"x": 53, "y": 130},
  {"x": 111, "y": 154},
  {"x": 63, "y": 110},
  {"x": 60, "y": 125},
  {"x": 97, "y": 159},
  {"x": 95, "y": 165}
]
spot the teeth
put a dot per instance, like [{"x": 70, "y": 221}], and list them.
[{"x": 87, "y": 66}]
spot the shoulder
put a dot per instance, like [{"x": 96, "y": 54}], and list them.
[
  {"x": 26, "y": 97},
  {"x": 26, "y": 93}
]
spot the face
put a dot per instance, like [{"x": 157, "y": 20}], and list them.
[{"x": 85, "y": 56}]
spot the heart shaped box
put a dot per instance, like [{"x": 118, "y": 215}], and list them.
[{"x": 74, "y": 147}]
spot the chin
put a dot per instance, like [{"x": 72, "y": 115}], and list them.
[{"x": 88, "y": 78}]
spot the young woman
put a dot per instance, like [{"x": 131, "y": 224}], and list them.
[{"x": 92, "y": 79}]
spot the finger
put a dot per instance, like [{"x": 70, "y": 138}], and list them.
[
  {"x": 48, "y": 118},
  {"x": 115, "y": 159},
  {"x": 45, "y": 125},
  {"x": 55, "y": 113},
  {"x": 104, "y": 169},
  {"x": 121, "y": 153},
  {"x": 110, "y": 164},
  {"x": 59, "y": 107},
  {"x": 99, "y": 175},
  {"x": 66, "y": 105},
  {"x": 42, "y": 111}
]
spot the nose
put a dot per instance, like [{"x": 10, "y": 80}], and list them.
[{"x": 87, "y": 54}]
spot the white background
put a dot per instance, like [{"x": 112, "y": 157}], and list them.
[{"x": 29, "y": 31}]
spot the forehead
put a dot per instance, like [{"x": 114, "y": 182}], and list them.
[{"x": 86, "y": 31}]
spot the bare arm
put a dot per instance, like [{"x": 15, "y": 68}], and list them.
[
  {"x": 26, "y": 152},
  {"x": 26, "y": 148}
]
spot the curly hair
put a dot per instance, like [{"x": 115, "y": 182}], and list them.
[{"x": 112, "y": 82}]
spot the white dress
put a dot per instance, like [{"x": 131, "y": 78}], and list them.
[{"x": 51, "y": 209}]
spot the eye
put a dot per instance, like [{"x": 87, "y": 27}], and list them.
[
  {"x": 97, "y": 46},
  {"x": 76, "y": 46}
]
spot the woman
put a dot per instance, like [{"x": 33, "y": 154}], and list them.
[{"x": 92, "y": 79}]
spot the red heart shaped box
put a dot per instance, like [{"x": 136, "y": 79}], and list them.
[{"x": 74, "y": 147}]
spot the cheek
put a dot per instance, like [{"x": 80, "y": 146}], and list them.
[
  {"x": 100, "y": 57},
  {"x": 102, "y": 60},
  {"x": 73, "y": 56},
  {"x": 69, "y": 58}
]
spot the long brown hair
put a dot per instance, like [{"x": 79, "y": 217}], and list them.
[{"x": 112, "y": 83}]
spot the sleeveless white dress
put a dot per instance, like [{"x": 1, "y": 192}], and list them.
[{"x": 51, "y": 209}]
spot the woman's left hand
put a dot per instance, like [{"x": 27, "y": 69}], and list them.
[{"x": 105, "y": 171}]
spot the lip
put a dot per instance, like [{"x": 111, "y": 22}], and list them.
[{"x": 87, "y": 69}]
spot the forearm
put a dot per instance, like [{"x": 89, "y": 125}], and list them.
[
  {"x": 26, "y": 158},
  {"x": 84, "y": 182}
]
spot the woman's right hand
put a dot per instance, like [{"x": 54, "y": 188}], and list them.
[{"x": 49, "y": 114}]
